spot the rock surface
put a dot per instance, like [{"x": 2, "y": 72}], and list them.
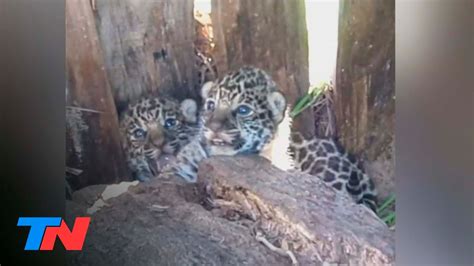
[{"x": 242, "y": 211}]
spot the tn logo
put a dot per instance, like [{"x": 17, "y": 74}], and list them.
[{"x": 44, "y": 230}]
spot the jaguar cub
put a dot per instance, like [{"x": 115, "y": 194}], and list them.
[
  {"x": 326, "y": 159},
  {"x": 153, "y": 126},
  {"x": 240, "y": 115},
  {"x": 244, "y": 113}
]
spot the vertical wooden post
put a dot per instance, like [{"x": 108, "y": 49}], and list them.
[
  {"x": 270, "y": 34},
  {"x": 365, "y": 80},
  {"x": 148, "y": 47},
  {"x": 93, "y": 142}
]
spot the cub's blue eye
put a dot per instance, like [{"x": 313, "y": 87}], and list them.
[
  {"x": 139, "y": 133},
  {"x": 170, "y": 122},
  {"x": 243, "y": 110},
  {"x": 210, "y": 105}
]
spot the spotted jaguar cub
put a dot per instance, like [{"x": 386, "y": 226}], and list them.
[
  {"x": 154, "y": 126},
  {"x": 240, "y": 115},
  {"x": 244, "y": 113},
  {"x": 326, "y": 159}
]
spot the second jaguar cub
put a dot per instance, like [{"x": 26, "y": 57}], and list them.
[{"x": 153, "y": 126}]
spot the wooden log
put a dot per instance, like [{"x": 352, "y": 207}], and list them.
[
  {"x": 268, "y": 34},
  {"x": 154, "y": 224},
  {"x": 365, "y": 85},
  {"x": 148, "y": 47},
  {"x": 260, "y": 216},
  {"x": 320, "y": 223},
  {"x": 93, "y": 141}
]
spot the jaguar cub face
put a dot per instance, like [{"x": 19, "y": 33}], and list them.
[
  {"x": 155, "y": 124},
  {"x": 241, "y": 112}
]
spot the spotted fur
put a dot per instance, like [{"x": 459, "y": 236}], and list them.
[
  {"x": 243, "y": 113},
  {"x": 154, "y": 126},
  {"x": 326, "y": 159},
  {"x": 240, "y": 114}
]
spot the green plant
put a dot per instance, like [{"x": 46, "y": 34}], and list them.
[
  {"x": 386, "y": 211},
  {"x": 308, "y": 100}
]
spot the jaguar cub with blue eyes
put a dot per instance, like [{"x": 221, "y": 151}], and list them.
[
  {"x": 154, "y": 126},
  {"x": 245, "y": 113},
  {"x": 240, "y": 115}
]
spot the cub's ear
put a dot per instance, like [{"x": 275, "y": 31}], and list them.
[
  {"x": 277, "y": 103},
  {"x": 189, "y": 110},
  {"x": 206, "y": 88}
]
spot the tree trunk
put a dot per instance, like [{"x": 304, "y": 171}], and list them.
[
  {"x": 268, "y": 34},
  {"x": 365, "y": 84},
  {"x": 93, "y": 141},
  {"x": 148, "y": 47}
]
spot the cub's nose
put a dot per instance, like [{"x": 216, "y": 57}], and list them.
[
  {"x": 215, "y": 126},
  {"x": 157, "y": 141},
  {"x": 156, "y": 135},
  {"x": 217, "y": 121}
]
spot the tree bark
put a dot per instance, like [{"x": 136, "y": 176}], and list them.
[
  {"x": 93, "y": 141},
  {"x": 268, "y": 34},
  {"x": 163, "y": 222},
  {"x": 365, "y": 84},
  {"x": 148, "y": 47}
]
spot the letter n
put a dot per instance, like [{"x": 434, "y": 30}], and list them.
[{"x": 72, "y": 240}]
